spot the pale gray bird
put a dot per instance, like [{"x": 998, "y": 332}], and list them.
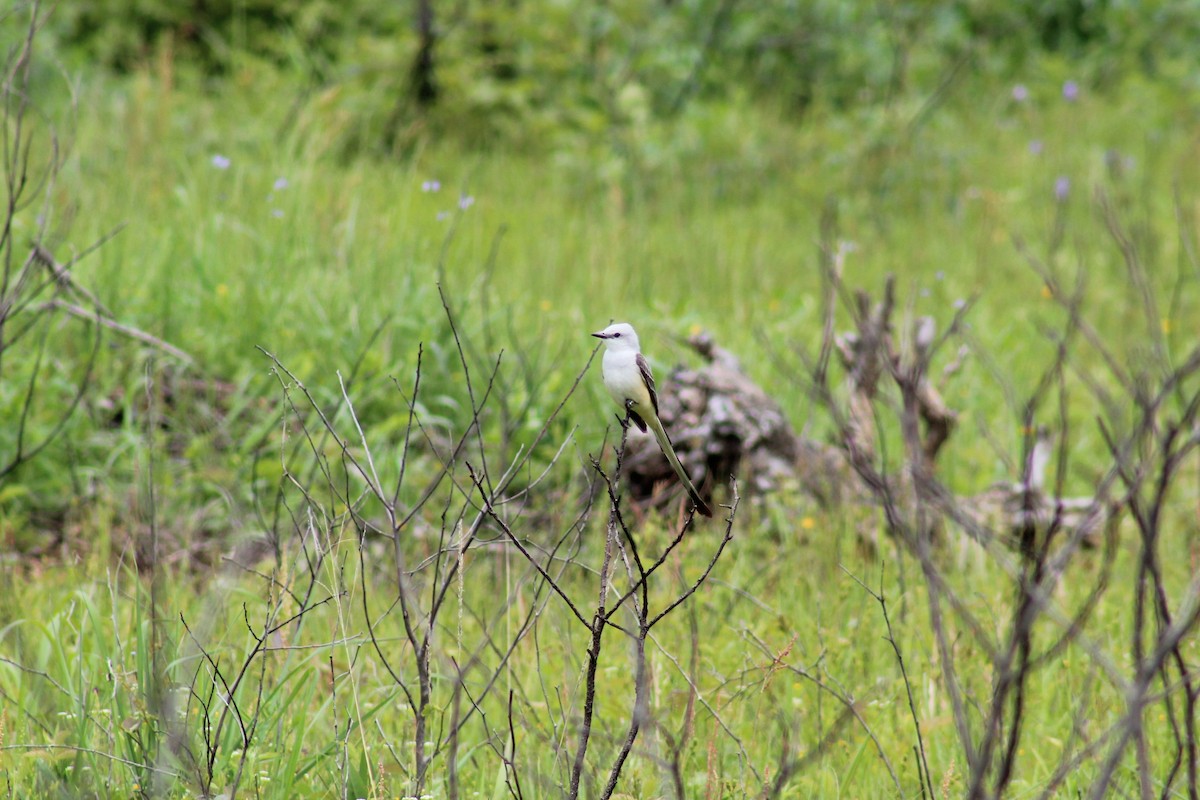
[{"x": 627, "y": 378}]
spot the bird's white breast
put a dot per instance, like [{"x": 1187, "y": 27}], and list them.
[{"x": 622, "y": 377}]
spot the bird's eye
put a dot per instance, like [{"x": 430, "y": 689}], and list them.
[{"x": 616, "y": 336}]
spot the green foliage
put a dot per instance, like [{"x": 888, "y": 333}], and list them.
[
  {"x": 123, "y": 35},
  {"x": 545, "y": 73}
]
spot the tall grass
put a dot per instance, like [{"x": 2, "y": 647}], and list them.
[{"x": 82, "y": 635}]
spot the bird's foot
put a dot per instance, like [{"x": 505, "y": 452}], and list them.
[{"x": 628, "y": 415}]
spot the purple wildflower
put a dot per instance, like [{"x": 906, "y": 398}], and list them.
[
  {"x": 1020, "y": 93},
  {"x": 1035, "y": 147},
  {"x": 1071, "y": 91},
  {"x": 281, "y": 184},
  {"x": 431, "y": 186},
  {"x": 221, "y": 162},
  {"x": 465, "y": 202},
  {"x": 1062, "y": 188}
]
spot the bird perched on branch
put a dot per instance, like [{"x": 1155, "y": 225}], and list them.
[{"x": 627, "y": 378}]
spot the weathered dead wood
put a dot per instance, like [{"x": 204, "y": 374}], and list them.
[
  {"x": 1016, "y": 511},
  {"x": 723, "y": 424}
]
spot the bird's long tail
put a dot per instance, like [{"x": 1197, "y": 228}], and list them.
[{"x": 669, "y": 451}]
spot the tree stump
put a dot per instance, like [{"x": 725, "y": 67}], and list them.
[{"x": 722, "y": 424}]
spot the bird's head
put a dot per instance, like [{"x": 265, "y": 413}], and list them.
[{"x": 619, "y": 336}]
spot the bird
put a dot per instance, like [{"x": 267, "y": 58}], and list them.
[{"x": 627, "y": 377}]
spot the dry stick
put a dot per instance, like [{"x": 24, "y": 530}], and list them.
[
  {"x": 204, "y": 775},
  {"x": 1011, "y": 682},
  {"x": 640, "y": 710},
  {"x": 626, "y": 536},
  {"x": 526, "y": 627},
  {"x": 717, "y": 718},
  {"x": 674, "y": 765},
  {"x": 452, "y": 740},
  {"x": 1148, "y": 520},
  {"x": 462, "y": 357},
  {"x": 317, "y": 462},
  {"x": 1172, "y": 460},
  {"x": 1130, "y": 724},
  {"x": 861, "y": 460},
  {"x": 926, "y": 779},
  {"x": 21, "y": 296},
  {"x": 22, "y": 455},
  {"x": 712, "y": 562},
  {"x": 89, "y": 751},
  {"x": 1033, "y": 603},
  {"x": 231, "y": 688},
  {"x": 61, "y": 274},
  {"x": 127, "y": 330},
  {"x": 504, "y": 527},
  {"x": 421, "y": 647},
  {"x": 529, "y": 449},
  {"x": 254, "y": 719},
  {"x": 408, "y": 426},
  {"x": 423, "y": 688},
  {"x": 155, "y": 693},
  {"x": 489, "y": 498},
  {"x": 16, "y": 173},
  {"x": 645, "y": 576},
  {"x": 537, "y": 605},
  {"x": 790, "y": 766},
  {"x": 402, "y": 589},
  {"x": 510, "y": 764},
  {"x": 229, "y": 701},
  {"x": 1133, "y": 474},
  {"x": 838, "y": 694},
  {"x": 597, "y": 629}
]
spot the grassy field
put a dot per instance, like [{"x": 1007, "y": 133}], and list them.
[{"x": 232, "y": 223}]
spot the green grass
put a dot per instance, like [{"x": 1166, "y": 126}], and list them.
[
  {"x": 709, "y": 223},
  {"x": 86, "y": 628}
]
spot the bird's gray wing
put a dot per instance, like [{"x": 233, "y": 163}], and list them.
[{"x": 648, "y": 379}]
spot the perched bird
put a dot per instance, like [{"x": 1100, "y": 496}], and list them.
[{"x": 627, "y": 378}]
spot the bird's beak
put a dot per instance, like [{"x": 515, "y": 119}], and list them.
[{"x": 600, "y": 335}]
